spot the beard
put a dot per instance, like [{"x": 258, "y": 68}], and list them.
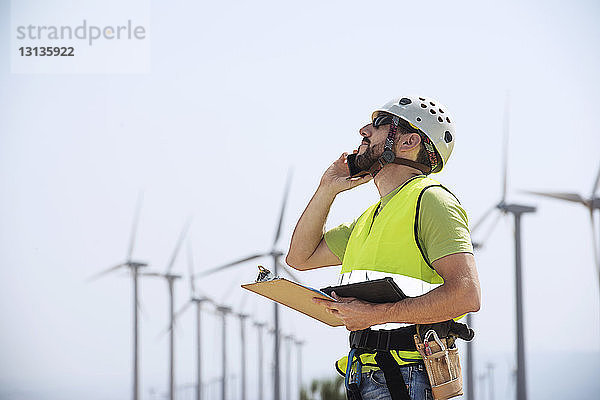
[{"x": 366, "y": 160}]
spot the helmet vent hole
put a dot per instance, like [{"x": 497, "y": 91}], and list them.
[
  {"x": 432, "y": 103},
  {"x": 440, "y": 119},
  {"x": 422, "y": 98},
  {"x": 442, "y": 111},
  {"x": 423, "y": 105},
  {"x": 448, "y": 119},
  {"x": 418, "y": 119},
  {"x": 404, "y": 101},
  {"x": 447, "y": 137},
  {"x": 431, "y": 110}
]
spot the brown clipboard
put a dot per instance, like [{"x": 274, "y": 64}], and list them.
[{"x": 295, "y": 296}]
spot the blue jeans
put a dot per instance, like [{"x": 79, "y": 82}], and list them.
[{"x": 373, "y": 385}]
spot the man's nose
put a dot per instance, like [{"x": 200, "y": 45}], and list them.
[{"x": 365, "y": 131}]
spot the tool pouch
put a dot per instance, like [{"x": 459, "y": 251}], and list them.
[{"x": 442, "y": 365}]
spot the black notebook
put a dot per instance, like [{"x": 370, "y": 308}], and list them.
[{"x": 377, "y": 291}]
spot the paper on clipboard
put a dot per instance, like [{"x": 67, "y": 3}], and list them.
[{"x": 295, "y": 296}]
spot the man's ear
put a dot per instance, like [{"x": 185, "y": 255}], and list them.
[{"x": 409, "y": 142}]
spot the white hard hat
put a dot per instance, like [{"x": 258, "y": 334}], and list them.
[{"x": 428, "y": 116}]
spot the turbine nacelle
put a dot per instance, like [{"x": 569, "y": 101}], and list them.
[{"x": 135, "y": 264}]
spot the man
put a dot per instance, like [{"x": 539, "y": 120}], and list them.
[{"x": 417, "y": 233}]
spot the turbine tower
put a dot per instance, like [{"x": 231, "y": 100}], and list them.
[
  {"x": 224, "y": 310},
  {"x": 198, "y": 300},
  {"x": 490, "y": 368},
  {"x": 171, "y": 278},
  {"x": 288, "y": 366},
  {"x": 134, "y": 266},
  {"x": 299, "y": 344},
  {"x": 517, "y": 210},
  {"x": 259, "y": 327},
  {"x": 242, "y": 318}
]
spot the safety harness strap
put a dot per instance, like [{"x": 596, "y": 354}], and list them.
[
  {"x": 393, "y": 375},
  {"x": 353, "y": 394},
  {"x": 352, "y": 379},
  {"x": 381, "y": 341},
  {"x": 384, "y": 340}
]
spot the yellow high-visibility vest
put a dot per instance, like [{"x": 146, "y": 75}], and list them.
[{"x": 387, "y": 244}]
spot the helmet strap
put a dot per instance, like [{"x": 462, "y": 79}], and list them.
[
  {"x": 410, "y": 163},
  {"x": 388, "y": 156}
]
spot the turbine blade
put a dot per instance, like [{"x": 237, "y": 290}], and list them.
[
  {"x": 288, "y": 271},
  {"x": 505, "y": 136},
  {"x": 574, "y": 197},
  {"x": 595, "y": 188},
  {"x": 488, "y": 233},
  {"x": 482, "y": 219},
  {"x": 103, "y": 272},
  {"x": 231, "y": 264},
  {"x": 213, "y": 311},
  {"x": 178, "y": 244},
  {"x": 283, "y": 204},
  {"x": 182, "y": 310},
  {"x": 163, "y": 333},
  {"x": 191, "y": 268},
  {"x": 135, "y": 225}
]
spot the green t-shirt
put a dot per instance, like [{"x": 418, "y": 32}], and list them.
[{"x": 443, "y": 226}]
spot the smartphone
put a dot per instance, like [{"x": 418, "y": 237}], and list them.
[{"x": 355, "y": 171}]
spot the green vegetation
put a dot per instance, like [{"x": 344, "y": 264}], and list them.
[{"x": 325, "y": 389}]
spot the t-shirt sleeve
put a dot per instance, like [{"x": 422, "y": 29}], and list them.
[
  {"x": 337, "y": 238},
  {"x": 443, "y": 225}
]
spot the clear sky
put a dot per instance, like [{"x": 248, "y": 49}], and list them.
[{"x": 238, "y": 93}]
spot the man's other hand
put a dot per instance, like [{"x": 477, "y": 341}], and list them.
[{"x": 354, "y": 313}]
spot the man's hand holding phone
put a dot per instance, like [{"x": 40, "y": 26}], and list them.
[{"x": 337, "y": 177}]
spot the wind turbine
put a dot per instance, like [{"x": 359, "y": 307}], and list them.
[
  {"x": 134, "y": 266},
  {"x": 259, "y": 326},
  {"x": 299, "y": 344},
  {"x": 490, "y": 368},
  {"x": 276, "y": 255},
  {"x": 481, "y": 379},
  {"x": 517, "y": 210},
  {"x": 469, "y": 361},
  {"x": 592, "y": 203},
  {"x": 242, "y": 318},
  {"x": 198, "y": 301},
  {"x": 224, "y": 310},
  {"x": 288, "y": 367},
  {"x": 276, "y": 336},
  {"x": 171, "y": 278}
]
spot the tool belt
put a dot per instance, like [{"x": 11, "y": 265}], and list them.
[{"x": 440, "y": 357}]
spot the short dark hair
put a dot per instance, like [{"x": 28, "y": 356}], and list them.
[{"x": 422, "y": 156}]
